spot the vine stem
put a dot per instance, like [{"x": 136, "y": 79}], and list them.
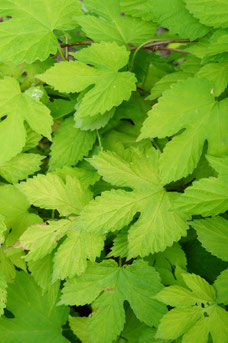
[{"x": 61, "y": 53}]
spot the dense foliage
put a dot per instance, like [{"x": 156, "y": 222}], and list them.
[{"x": 114, "y": 170}]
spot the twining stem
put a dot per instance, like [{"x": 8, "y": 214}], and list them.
[
  {"x": 64, "y": 45},
  {"x": 154, "y": 44},
  {"x": 170, "y": 49}
]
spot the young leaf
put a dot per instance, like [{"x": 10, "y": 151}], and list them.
[
  {"x": 70, "y": 145},
  {"x": 157, "y": 226},
  {"x": 19, "y": 107},
  {"x": 109, "y": 86},
  {"x": 29, "y": 35},
  {"x": 114, "y": 27},
  {"x": 203, "y": 119},
  {"x": 38, "y": 321}
]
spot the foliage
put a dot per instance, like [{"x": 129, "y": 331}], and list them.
[{"x": 113, "y": 171}]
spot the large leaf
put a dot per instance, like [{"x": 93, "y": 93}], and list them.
[
  {"x": 215, "y": 15},
  {"x": 196, "y": 313},
  {"x": 35, "y": 320},
  {"x": 19, "y": 107},
  {"x": 110, "y": 87},
  {"x": 135, "y": 283},
  {"x": 29, "y": 35},
  {"x": 67, "y": 198},
  {"x": 217, "y": 73},
  {"x": 20, "y": 167},
  {"x": 111, "y": 26},
  {"x": 203, "y": 119},
  {"x": 157, "y": 227},
  {"x": 172, "y": 14}
]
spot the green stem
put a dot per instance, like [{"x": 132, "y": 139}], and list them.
[
  {"x": 137, "y": 50},
  {"x": 66, "y": 48},
  {"x": 53, "y": 214},
  {"x": 120, "y": 262},
  {"x": 99, "y": 141},
  {"x": 61, "y": 53},
  {"x": 156, "y": 145}
]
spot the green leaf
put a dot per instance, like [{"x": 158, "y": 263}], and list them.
[
  {"x": 136, "y": 331},
  {"x": 172, "y": 14},
  {"x": 207, "y": 196},
  {"x": 40, "y": 240},
  {"x": 41, "y": 271},
  {"x": 169, "y": 262},
  {"x": 20, "y": 167},
  {"x": 110, "y": 87},
  {"x": 67, "y": 197},
  {"x": 219, "y": 332},
  {"x": 19, "y": 107},
  {"x": 203, "y": 119},
  {"x": 95, "y": 122},
  {"x": 111, "y": 26},
  {"x": 60, "y": 107},
  {"x": 79, "y": 327},
  {"x": 29, "y": 35},
  {"x": 156, "y": 227},
  {"x": 213, "y": 234},
  {"x": 120, "y": 244},
  {"x": 136, "y": 8},
  {"x": 3, "y": 293},
  {"x": 135, "y": 283},
  {"x": 70, "y": 145},
  {"x": 166, "y": 82},
  {"x": 221, "y": 287},
  {"x": 71, "y": 257},
  {"x": 36, "y": 323},
  {"x": 217, "y": 73},
  {"x": 216, "y": 14},
  {"x": 14, "y": 207},
  {"x": 2, "y": 229},
  {"x": 176, "y": 322},
  {"x": 195, "y": 314}
]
